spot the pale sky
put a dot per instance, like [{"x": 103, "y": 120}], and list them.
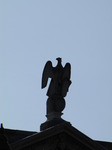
[{"x": 35, "y": 31}]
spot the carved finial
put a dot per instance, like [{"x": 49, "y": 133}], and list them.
[
  {"x": 1, "y": 125},
  {"x": 4, "y": 145},
  {"x": 1, "y": 128},
  {"x": 57, "y": 90}
]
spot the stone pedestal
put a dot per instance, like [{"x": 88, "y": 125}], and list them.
[{"x": 52, "y": 123}]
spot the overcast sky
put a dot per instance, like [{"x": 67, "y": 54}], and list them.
[{"x": 35, "y": 31}]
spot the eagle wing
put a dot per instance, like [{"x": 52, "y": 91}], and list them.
[
  {"x": 66, "y": 79},
  {"x": 47, "y": 73},
  {"x": 67, "y": 71}
]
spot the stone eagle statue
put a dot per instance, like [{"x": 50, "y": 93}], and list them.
[
  {"x": 58, "y": 88},
  {"x": 60, "y": 78}
]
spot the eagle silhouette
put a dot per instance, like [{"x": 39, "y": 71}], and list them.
[{"x": 60, "y": 78}]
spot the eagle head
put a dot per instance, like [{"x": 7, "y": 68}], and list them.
[{"x": 59, "y": 59}]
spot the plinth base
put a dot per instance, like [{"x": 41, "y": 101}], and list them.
[{"x": 51, "y": 123}]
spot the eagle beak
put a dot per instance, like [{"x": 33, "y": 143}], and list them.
[{"x": 58, "y": 58}]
